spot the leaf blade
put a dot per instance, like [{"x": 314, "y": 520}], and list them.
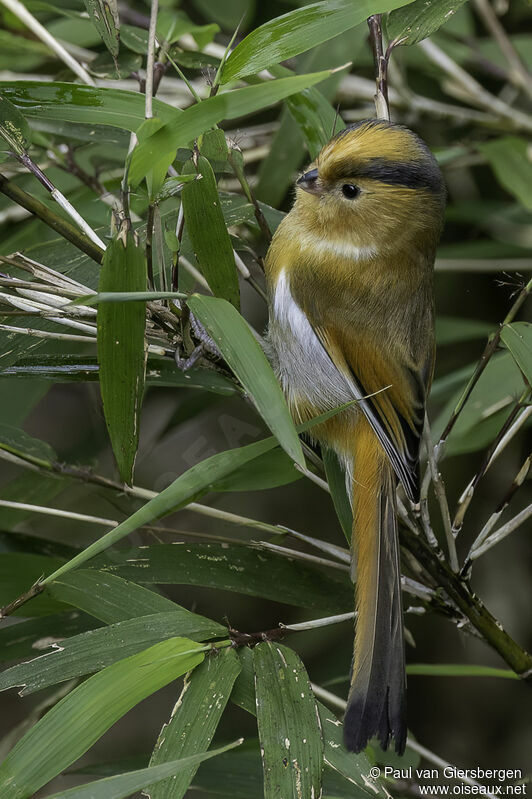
[
  {"x": 208, "y": 234},
  {"x": 238, "y": 346},
  {"x": 191, "y": 727},
  {"x": 77, "y": 721},
  {"x": 293, "y": 33},
  {"x": 288, "y": 721},
  {"x": 122, "y": 350}
]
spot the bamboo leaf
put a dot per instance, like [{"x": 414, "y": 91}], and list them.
[
  {"x": 289, "y": 725},
  {"x": 297, "y": 31},
  {"x": 458, "y": 670},
  {"x": 234, "y": 567},
  {"x": 81, "y": 718},
  {"x": 415, "y": 22},
  {"x": 107, "y": 597},
  {"x": 70, "y": 102},
  {"x": 353, "y": 768},
  {"x": 14, "y": 129},
  {"x": 104, "y": 16},
  {"x": 238, "y": 346},
  {"x": 194, "y": 720},
  {"x": 120, "y": 786},
  {"x": 94, "y": 650},
  {"x": 203, "y": 116},
  {"x": 518, "y": 338},
  {"x": 316, "y": 118},
  {"x": 121, "y": 349},
  {"x": 336, "y": 480},
  {"x": 208, "y": 234}
]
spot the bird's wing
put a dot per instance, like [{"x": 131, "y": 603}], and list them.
[{"x": 396, "y": 413}]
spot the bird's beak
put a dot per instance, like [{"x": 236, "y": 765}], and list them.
[{"x": 309, "y": 182}]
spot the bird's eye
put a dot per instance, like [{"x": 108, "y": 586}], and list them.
[{"x": 350, "y": 191}]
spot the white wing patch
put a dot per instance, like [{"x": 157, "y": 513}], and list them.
[{"x": 303, "y": 366}]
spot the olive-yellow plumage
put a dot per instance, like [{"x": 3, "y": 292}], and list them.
[{"x": 349, "y": 275}]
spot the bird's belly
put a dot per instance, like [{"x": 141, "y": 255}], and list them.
[{"x": 311, "y": 382}]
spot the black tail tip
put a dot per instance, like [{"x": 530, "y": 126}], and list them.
[{"x": 360, "y": 727}]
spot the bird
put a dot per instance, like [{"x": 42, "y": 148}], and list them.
[{"x": 349, "y": 276}]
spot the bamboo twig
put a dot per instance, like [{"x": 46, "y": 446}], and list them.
[
  {"x": 50, "y": 218},
  {"x": 382, "y": 107},
  {"x": 439, "y": 490},
  {"x": 501, "y": 533}
]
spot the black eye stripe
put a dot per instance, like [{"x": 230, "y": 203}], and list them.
[{"x": 410, "y": 174}]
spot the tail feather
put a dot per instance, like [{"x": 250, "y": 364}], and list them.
[{"x": 377, "y": 698}]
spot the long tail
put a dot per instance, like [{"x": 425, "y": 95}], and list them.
[{"x": 377, "y": 698}]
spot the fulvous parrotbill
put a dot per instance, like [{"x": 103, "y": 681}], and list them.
[{"x": 350, "y": 273}]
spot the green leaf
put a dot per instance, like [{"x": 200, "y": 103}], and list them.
[
  {"x": 511, "y": 160},
  {"x": 243, "y": 354},
  {"x": 122, "y": 349},
  {"x": 194, "y": 720},
  {"x": 452, "y": 329},
  {"x": 107, "y": 597},
  {"x": 289, "y": 729},
  {"x": 122, "y": 785},
  {"x": 160, "y": 371},
  {"x": 208, "y": 234},
  {"x": 518, "y": 338},
  {"x": 354, "y": 768},
  {"x": 420, "y": 19},
  {"x": 316, "y": 117},
  {"x": 70, "y": 102},
  {"x": 200, "y": 117},
  {"x": 336, "y": 480},
  {"x": 286, "y": 36},
  {"x": 13, "y": 127},
  {"x": 104, "y": 16},
  {"x": 81, "y": 718},
  {"x": 270, "y": 470},
  {"x": 135, "y": 39},
  {"x": 249, "y": 570},
  {"x": 458, "y": 670},
  {"x": 94, "y": 650}
]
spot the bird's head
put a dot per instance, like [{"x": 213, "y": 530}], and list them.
[{"x": 374, "y": 185}]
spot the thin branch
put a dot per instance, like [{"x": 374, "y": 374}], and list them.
[
  {"x": 502, "y": 532},
  {"x": 327, "y": 621},
  {"x": 50, "y": 218},
  {"x": 35, "y": 26},
  {"x": 65, "y": 514},
  {"x": 154, "y": 8},
  {"x": 439, "y": 490},
  {"x": 382, "y": 107}
]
